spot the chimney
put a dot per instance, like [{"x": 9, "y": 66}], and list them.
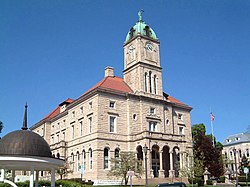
[{"x": 109, "y": 72}]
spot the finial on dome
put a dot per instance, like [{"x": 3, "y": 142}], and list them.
[
  {"x": 25, "y": 118},
  {"x": 140, "y": 15}
]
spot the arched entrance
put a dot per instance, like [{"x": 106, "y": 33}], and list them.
[
  {"x": 155, "y": 160},
  {"x": 166, "y": 160},
  {"x": 139, "y": 154}
]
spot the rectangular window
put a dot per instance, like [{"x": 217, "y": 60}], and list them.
[
  {"x": 81, "y": 110},
  {"x": 73, "y": 132},
  {"x": 58, "y": 139},
  {"x": 81, "y": 128},
  {"x": 181, "y": 130},
  {"x": 152, "y": 126},
  {"x": 112, "y": 124},
  {"x": 73, "y": 114},
  {"x": 112, "y": 104},
  {"x": 63, "y": 136},
  {"x": 180, "y": 116},
  {"x": 90, "y": 105},
  {"x": 90, "y": 124},
  {"x": 152, "y": 110}
]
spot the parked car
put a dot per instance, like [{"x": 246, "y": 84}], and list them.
[{"x": 173, "y": 184}]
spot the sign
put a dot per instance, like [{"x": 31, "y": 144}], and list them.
[
  {"x": 130, "y": 173},
  {"x": 246, "y": 170}
]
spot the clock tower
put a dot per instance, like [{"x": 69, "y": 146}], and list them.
[{"x": 142, "y": 70}]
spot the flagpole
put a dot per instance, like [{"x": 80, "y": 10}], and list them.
[{"x": 212, "y": 126}]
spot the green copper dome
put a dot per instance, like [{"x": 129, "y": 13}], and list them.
[{"x": 142, "y": 28}]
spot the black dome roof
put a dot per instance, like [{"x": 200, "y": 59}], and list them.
[{"x": 24, "y": 143}]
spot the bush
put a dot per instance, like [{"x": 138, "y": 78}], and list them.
[
  {"x": 209, "y": 182},
  {"x": 23, "y": 184},
  {"x": 44, "y": 183},
  {"x": 68, "y": 183},
  {"x": 197, "y": 180},
  {"x": 4, "y": 185},
  {"x": 221, "y": 179}
]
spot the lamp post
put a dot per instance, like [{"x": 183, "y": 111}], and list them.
[
  {"x": 145, "y": 149},
  {"x": 236, "y": 173}
]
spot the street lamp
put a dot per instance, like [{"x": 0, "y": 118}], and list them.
[
  {"x": 236, "y": 173},
  {"x": 145, "y": 149}
]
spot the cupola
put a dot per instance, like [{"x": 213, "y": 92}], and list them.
[{"x": 141, "y": 28}]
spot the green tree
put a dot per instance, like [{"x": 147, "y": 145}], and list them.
[
  {"x": 64, "y": 170},
  {"x": 124, "y": 163}
]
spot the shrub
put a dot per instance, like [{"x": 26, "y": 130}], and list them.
[
  {"x": 209, "y": 182},
  {"x": 221, "y": 179},
  {"x": 197, "y": 180},
  {"x": 23, "y": 184},
  {"x": 4, "y": 185},
  {"x": 67, "y": 183}
]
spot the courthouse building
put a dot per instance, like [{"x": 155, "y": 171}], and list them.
[{"x": 123, "y": 114}]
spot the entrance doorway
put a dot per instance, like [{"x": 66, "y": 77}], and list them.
[{"x": 155, "y": 160}]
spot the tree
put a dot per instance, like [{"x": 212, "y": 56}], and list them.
[
  {"x": 1, "y": 126},
  {"x": 124, "y": 163},
  {"x": 205, "y": 153},
  {"x": 64, "y": 170}
]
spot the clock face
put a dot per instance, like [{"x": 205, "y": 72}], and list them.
[
  {"x": 131, "y": 49},
  {"x": 149, "y": 47}
]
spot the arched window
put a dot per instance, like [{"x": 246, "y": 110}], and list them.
[
  {"x": 72, "y": 162},
  {"x": 77, "y": 161},
  {"x": 58, "y": 155},
  {"x": 155, "y": 89},
  {"x": 106, "y": 158},
  {"x": 145, "y": 78},
  {"x": 84, "y": 160},
  {"x": 90, "y": 159},
  {"x": 117, "y": 153},
  {"x": 247, "y": 152},
  {"x": 150, "y": 82}
]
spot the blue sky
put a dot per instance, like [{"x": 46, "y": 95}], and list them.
[{"x": 51, "y": 50}]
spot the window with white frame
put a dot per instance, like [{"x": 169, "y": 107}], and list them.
[
  {"x": 152, "y": 126},
  {"x": 181, "y": 131},
  {"x": 112, "y": 123},
  {"x": 72, "y": 162},
  {"x": 106, "y": 158},
  {"x": 111, "y": 104},
  {"x": 77, "y": 161},
  {"x": 231, "y": 155},
  {"x": 90, "y": 124}
]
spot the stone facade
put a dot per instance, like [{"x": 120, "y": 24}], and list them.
[{"x": 122, "y": 115}]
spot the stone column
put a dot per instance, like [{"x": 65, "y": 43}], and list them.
[
  {"x": 53, "y": 177},
  {"x": 32, "y": 178},
  {"x": 171, "y": 171},
  {"x": 161, "y": 171}
]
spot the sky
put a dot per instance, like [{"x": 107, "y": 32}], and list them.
[{"x": 51, "y": 50}]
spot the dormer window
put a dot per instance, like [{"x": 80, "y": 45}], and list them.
[
  {"x": 237, "y": 139},
  {"x": 228, "y": 140},
  {"x": 131, "y": 33},
  {"x": 147, "y": 31}
]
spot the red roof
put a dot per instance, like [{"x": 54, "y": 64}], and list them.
[
  {"x": 173, "y": 100},
  {"x": 57, "y": 110},
  {"x": 112, "y": 83}
]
